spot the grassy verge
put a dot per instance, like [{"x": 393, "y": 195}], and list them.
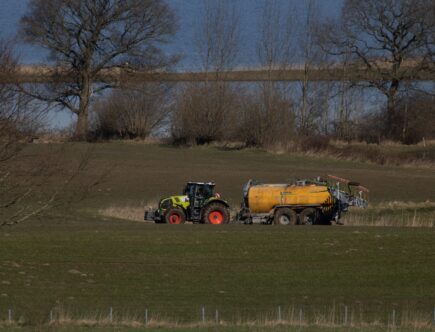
[
  {"x": 130, "y": 323},
  {"x": 230, "y": 329},
  {"x": 327, "y": 321}
]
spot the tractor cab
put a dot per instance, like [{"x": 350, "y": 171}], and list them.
[{"x": 198, "y": 193}]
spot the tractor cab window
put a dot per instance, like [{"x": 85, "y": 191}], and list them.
[
  {"x": 206, "y": 191},
  {"x": 189, "y": 190},
  {"x": 198, "y": 191},
  {"x": 186, "y": 190}
]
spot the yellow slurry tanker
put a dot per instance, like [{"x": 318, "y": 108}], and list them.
[{"x": 304, "y": 202}]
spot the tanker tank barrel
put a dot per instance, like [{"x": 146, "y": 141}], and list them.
[{"x": 306, "y": 201}]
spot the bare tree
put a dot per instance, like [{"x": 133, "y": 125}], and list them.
[
  {"x": 134, "y": 112},
  {"x": 27, "y": 188},
  {"x": 20, "y": 117},
  {"x": 269, "y": 120},
  {"x": 9, "y": 131},
  {"x": 417, "y": 114},
  {"x": 88, "y": 37},
  {"x": 202, "y": 115},
  {"x": 276, "y": 44},
  {"x": 217, "y": 37},
  {"x": 19, "y": 122},
  {"x": 50, "y": 180},
  {"x": 348, "y": 101},
  {"x": 204, "y": 111},
  {"x": 391, "y": 39},
  {"x": 312, "y": 109},
  {"x": 265, "y": 120},
  {"x": 309, "y": 54}
]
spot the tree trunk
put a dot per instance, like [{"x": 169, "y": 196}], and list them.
[
  {"x": 303, "y": 113},
  {"x": 81, "y": 130},
  {"x": 392, "y": 124}
]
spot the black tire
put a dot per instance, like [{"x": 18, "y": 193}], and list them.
[
  {"x": 174, "y": 216},
  {"x": 215, "y": 214},
  {"x": 285, "y": 216},
  {"x": 309, "y": 216}
]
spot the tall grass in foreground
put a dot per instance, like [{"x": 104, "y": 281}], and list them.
[
  {"x": 124, "y": 212},
  {"x": 337, "y": 316},
  {"x": 394, "y": 214},
  {"x": 406, "y": 220}
]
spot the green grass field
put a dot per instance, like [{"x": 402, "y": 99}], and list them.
[
  {"x": 73, "y": 259},
  {"x": 141, "y": 172}
]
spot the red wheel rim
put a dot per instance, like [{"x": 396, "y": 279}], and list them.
[
  {"x": 174, "y": 219},
  {"x": 216, "y": 217}
]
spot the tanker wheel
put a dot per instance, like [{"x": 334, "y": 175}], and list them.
[
  {"x": 175, "y": 216},
  {"x": 309, "y": 216},
  {"x": 216, "y": 214},
  {"x": 285, "y": 216}
]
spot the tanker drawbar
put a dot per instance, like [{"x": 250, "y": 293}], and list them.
[{"x": 304, "y": 202}]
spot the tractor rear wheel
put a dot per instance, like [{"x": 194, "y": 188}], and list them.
[
  {"x": 285, "y": 216},
  {"x": 309, "y": 216},
  {"x": 216, "y": 214},
  {"x": 175, "y": 216}
]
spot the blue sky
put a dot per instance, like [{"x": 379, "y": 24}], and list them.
[{"x": 188, "y": 12}]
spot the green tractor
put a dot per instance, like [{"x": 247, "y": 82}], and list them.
[{"x": 198, "y": 204}]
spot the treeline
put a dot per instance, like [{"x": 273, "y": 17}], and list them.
[
  {"x": 201, "y": 114},
  {"x": 393, "y": 40}
]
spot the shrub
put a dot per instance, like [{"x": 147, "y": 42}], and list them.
[
  {"x": 134, "y": 112},
  {"x": 204, "y": 113},
  {"x": 314, "y": 143}
]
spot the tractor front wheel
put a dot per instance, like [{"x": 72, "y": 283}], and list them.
[
  {"x": 175, "y": 216},
  {"x": 216, "y": 214}
]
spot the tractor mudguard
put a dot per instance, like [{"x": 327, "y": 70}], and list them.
[{"x": 215, "y": 200}]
